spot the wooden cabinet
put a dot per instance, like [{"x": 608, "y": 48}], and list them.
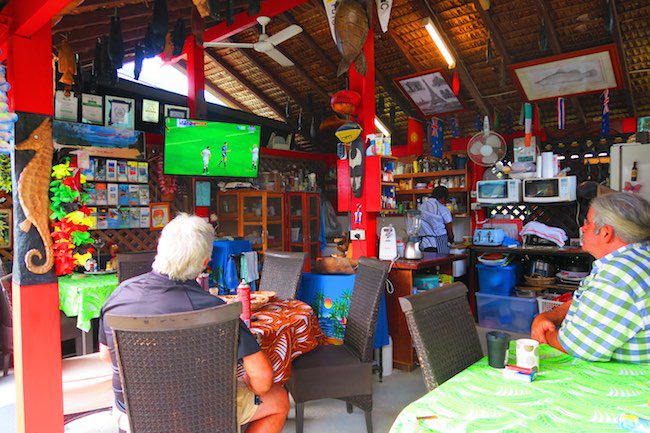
[
  {"x": 254, "y": 215},
  {"x": 457, "y": 182},
  {"x": 303, "y": 224}
]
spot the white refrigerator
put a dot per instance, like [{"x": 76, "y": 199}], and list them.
[{"x": 623, "y": 157}]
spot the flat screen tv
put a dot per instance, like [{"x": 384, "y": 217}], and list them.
[{"x": 202, "y": 148}]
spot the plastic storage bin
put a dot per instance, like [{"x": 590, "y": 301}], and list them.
[
  {"x": 506, "y": 312},
  {"x": 498, "y": 280},
  {"x": 426, "y": 282}
]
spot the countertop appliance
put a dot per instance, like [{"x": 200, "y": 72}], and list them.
[
  {"x": 498, "y": 191},
  {"x": 413, "y": 222},
  {"x": 623, "y": 157},
  {"x": 488, "y": 237},
  {"x": 550, "y": 190}
]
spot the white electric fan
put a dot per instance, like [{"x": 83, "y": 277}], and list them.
[
  {"x": 265, "y": 44},
  {"x": 487, "y": 147}
]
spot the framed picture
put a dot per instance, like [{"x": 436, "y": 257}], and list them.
[
  {"x": 430, "y": 92},
  {"x": 577, "y": 73},
  {"x": 120, "y": 112},
  {"x": 66, "y": 107},
  {"x": 159, "y": 215},
  {"x": 643, "y": 124},
  {"x": 150, "y": 111},
  {"x": 5, "y": 228},
  {"x": 176, "y": 112},
  {"x": 92, "y": 109}
]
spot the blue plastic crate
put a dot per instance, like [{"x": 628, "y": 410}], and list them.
[
  {"x": 498, "y": 280},
  {"x": 506, "y": 312}
]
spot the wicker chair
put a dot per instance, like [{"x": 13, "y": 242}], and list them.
[
  {"x": 344, "y": 372},
  {"x": 443, "y": 331},
  {"x": 6, "y": 325},
  {"x": 281, "y": 273},
  {"x": 178, "y": 371},
  {"x": 131, "y": 265}
]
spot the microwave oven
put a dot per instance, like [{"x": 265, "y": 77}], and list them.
[
  {"x": 550, "y": 190},
  {"x": 498, "y": 191}
]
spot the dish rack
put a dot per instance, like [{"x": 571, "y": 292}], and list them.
[{"x": 545, "y": 305}]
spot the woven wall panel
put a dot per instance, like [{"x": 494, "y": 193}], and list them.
[{"x": 557, "y": 215}]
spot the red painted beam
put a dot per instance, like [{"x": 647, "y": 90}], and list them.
[
  {"x": 29, "y": 16},
  {"x": 196, "y": 79}
]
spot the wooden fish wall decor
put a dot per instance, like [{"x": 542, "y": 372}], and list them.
[
  {"x": 197, "y": 25},
  {"x": 139, "y": 58},
  {"x": 67, "y": 64},
  {"x": 351, "y": 29},
  {"x": 115, "y": 42},
  {"x": 356, "y": 163},
  {"x": 160, "y": 18},
  {"x": 202, "y": 7},
  {"x": 178, "y": 37}
]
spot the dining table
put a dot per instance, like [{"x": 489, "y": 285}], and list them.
[
  {"x": 285, "y": 329},
  {"x": 569, "y": 395},
  {"x": 84, "y": 295}
]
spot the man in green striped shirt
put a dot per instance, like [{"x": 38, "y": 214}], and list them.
[{"x": 609, "y": 315}]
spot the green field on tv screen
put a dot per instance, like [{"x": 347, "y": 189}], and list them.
[{"x": 202, "y": 148}]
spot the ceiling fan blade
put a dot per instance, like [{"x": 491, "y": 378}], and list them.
[
  {"x": 227, "y": 45},
  {"x": 279, "y": 57},
  {"x": 285, "y": 34}
]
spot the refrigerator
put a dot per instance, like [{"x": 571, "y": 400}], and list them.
[{"x": 623, "y": 156}]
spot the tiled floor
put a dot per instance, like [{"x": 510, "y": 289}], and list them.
[{"x": 324, "y": 416}]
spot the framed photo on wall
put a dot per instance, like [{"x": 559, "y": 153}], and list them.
[
  {"x": 5, "y": 228},
  {"x": 430, "y": 92},
  {"x": 92, "y": 109},
  {"x": 120, "y": 112},
  {"x": 159, "y": 215},
  {"x": 177, "y": 112},
  {"x": 580, "y": 72}
]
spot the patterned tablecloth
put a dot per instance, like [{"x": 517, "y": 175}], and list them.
[
  {"x": 285, "y": 330},
  {"x": 568, "y": 395},
  {"x": 84, "y": 295}
]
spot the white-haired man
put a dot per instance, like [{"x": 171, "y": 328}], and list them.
[
  {"x": 184, "y": 249},
  {"x": 609, "y": 315}
]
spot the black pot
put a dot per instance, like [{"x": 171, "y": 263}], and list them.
[{"x": 540, "y": 267}]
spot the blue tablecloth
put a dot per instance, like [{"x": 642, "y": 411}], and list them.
[
  {"x": 329, "y": 296},
  {"x": 224, "y": 268}
]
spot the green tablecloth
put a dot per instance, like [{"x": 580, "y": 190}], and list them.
[
  {"x": 569, "y": 395},
  {"x": 84, "y": 297}
]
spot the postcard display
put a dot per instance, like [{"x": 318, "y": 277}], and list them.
[{"x": 119, "y": 193}]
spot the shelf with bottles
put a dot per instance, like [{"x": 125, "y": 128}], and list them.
[{"x": 440, "y": 173}]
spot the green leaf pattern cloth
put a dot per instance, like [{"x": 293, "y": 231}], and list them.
[
  {"x": 569, "y": 395},
  {"x": 85, "y": 297}
]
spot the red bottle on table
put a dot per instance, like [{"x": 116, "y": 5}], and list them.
[{"x": 244, "y": 296}]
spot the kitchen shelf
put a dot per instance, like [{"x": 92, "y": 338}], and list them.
[
  {"x": 427, "y": 191},
  {"x": 389, "y": 184},
  {"x": 390, "y": 210},
  {"x": 388, "y": 158},
  {"x": 431, "y": 174}
]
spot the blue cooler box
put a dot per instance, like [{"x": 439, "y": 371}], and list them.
[
  {"x": 498, "y": 280},
  {"x": 426, "y": 282},
  {"x": 506, "y": 312}
]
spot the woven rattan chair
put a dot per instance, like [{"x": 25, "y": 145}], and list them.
[
  {"x": 6, "y": 325},
  {"x": 281, "y": 273},
  {"x": 443, "y": 331},
  {"x": 131, "y": 265},
  {"x": 178, "y": 371},
  {"x": 345, "y": 371}
]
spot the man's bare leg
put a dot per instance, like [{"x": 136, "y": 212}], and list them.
[{"x": 271, "y": 413}]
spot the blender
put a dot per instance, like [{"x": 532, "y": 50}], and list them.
[{"x": 413, "y": 222}]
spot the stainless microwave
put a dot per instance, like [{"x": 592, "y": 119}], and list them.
[
  {"x": 498, "y": 191},
  {"x": 550, "y": 190}
]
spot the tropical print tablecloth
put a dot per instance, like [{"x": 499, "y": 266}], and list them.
[
  {"x": 569, "y": 395},
  {"x": 84, "y": 295},
  {"x": 285, "y": 330}
]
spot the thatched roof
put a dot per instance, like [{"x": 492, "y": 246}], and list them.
[{"x": 255, "y": 83}]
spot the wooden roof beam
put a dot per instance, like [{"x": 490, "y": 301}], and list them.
[
  {"x": 494, "y": 32},
  {"x": 463, "y": 72},
  {"x": 629, "y": 96},
  {"x": 554, "y": 42}
]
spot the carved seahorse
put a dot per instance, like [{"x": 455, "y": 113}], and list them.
[{"x": 33, "y": 192}]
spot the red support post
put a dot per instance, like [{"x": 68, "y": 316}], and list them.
[
  {"x": 37, "y": 340},
  {"x": 196, "y": 79}
]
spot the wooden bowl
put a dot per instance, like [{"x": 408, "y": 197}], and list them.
[{"x": 538, "y": 280}]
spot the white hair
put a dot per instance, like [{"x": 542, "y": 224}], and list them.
[
  {"x": 183, "y": 247},
  {"x": 628, "y": 214}
]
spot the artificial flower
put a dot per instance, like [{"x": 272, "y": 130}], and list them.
[
  {"x": 81, "y": 259},
  {"x": 61, "y": 171}
]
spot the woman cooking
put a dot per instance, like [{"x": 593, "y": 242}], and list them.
[{"x": 436, "y": 229}]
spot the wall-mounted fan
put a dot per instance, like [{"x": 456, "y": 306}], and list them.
[
  {"x": 265, "y": 44},
  {"x": 486, "y": 147}
]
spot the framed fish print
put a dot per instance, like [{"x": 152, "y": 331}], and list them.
[
  {"x": 120, "y": 112},
  {"x": 5, "y": 228},
  {"x": 177, "y": 112},
  {"x": 430, "y": 92},
  {"x": 159, "y": 215},
  {"x": 580, "y": 72}
]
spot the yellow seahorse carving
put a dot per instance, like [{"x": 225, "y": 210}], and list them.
[{"x": 33, "y": 192}]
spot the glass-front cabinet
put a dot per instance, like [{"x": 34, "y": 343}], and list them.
[{"x": 303, "y": 230}]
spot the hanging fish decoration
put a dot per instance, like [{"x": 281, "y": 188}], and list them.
[
  {"x": 97, "y": 61},
  {"x": 160, "y": 18},
  {"x": 254, "y": 7},
  {"x": 215, "y": 9},
  {"x": 310, "y": 102},
  {"x": 313, "y": 128},
  {"x": 381, "y": 105},
  {"x": 80, "y": 76},
  {"x": 609, "y": 17},
  {"x": 149, "y": 49},
  {"x": 139, "y": 58},
  {"x": 230, "y": 12},
  {"x": 197, "y": 25},
  {"x": 169, "y": 47},
  {"x": 391, "y": 117},
  {"x": 178, "y": 37},
  {"x": 356, "y": 163},
  {"x": 488, "y": 50},
  {"x": 503, "y": 76},
  {"x": 330, "y": 10},
  {"x": 299, "y": 126},
  {"x": 108, "y": 73},
  {"x": 351, "y": 29},
  {"x": 115, "y": 41},
  {"x": 202, "y": 7},
  {"x": 543, "y": 37},
  {"x": 67, "y": 65},
  {"x": 287, "y": 109},
  {"x": 383, "y": 13}
]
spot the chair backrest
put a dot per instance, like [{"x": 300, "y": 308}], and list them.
[
  {"x": 281, "y": 273},
  {"x": 178, "y": 371},
  {"x": 364, "y": 307},
  {"x": 6, "y": 315},
  {"x": 5, "y": 282},
  {"x": 443, "y": 331},
  {"x": 131, "y": 265}
]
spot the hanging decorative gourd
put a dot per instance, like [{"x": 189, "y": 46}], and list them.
[{"x": 345, "y": 102}]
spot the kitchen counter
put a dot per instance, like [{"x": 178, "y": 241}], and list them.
[
  {"x": 567, "y": 250},
  {"x": 428, "y": 261}
]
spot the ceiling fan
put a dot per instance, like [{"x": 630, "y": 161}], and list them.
[{"x": 265, "y": 44}]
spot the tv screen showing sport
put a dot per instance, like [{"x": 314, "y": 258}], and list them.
[{"x": 202, "y": 148}]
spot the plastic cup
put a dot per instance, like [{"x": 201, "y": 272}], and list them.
[{"x": 497, "y": 345}]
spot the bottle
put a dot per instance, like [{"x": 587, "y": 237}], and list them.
[
  {"x": 635, "y": 172},
  {"x": 244, "y": 296}
]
